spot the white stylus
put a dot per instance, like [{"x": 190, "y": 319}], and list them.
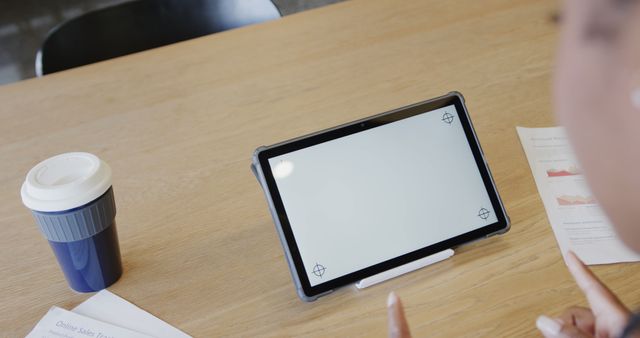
[{"x": 401, "y": 270}]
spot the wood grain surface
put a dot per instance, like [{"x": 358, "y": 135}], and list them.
[{"x": 178, "y": 126}]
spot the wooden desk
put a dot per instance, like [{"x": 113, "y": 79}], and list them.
[{"x": 178, "y": 126}]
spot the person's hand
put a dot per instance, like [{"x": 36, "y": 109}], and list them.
[
  {"x": 607, "y": 316},
  {"x": 398, "y": 327}
]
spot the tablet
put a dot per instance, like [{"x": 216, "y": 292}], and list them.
[{"x": 361, "y": 198}]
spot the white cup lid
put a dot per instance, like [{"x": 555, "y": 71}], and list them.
[{"x": 65, "y": 181}]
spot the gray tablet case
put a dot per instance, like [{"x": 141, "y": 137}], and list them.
[{"x": 257, "y": 171}]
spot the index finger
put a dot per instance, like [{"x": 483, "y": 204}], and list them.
[
  {"x": 600, "y": 298},
  {"x": 398, "y": 327}
]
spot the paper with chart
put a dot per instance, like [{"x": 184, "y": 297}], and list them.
[{"x": 577, "y": 221}]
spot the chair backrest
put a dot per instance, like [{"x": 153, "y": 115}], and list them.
[{"x": 140, "y": 25}]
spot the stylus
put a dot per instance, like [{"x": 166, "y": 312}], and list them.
[{"x": 401, "y": 270}]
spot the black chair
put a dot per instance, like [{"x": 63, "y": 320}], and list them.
[{"x": 140, "y": 25}]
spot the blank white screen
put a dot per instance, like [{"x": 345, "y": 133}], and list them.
[{"x": 375, "y": 195}]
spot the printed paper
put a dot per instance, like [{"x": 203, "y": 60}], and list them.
[{"x": 576, "y": 219}]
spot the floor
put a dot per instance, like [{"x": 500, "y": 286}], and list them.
[{"x": 25, "y": 23}]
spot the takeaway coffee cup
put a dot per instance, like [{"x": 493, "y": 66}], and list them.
[{"x": 71, "y": 199}]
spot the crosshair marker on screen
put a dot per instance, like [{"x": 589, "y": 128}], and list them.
[
  {"x": 447, "y": 118},
  {"x": 484, "y": 213},
  {"x": 319, "y": 270}
]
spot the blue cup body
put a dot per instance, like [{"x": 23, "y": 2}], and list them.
[
  {"x": 85, "y": 242},
  {"x": 90, "y": 264}
]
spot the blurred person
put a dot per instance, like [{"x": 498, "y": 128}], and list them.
[{"x": 597, "y": 99}]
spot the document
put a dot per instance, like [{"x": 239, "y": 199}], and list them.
[
  {"x": 110, "y": 308},
  {"x": 104, "y": 315},
  {"x": 576, "y": 219},
  {"x": 66, "y": 324}
]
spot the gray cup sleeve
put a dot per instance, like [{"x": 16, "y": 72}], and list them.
[{"x": 79, "y": 223}]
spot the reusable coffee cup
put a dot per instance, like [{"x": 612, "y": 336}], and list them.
[{"x": 71, "y": 199}]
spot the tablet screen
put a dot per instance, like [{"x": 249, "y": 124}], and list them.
[{"x": 368, "y": 197}]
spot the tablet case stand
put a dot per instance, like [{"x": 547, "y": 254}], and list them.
[{"x": 404, "y": 269}]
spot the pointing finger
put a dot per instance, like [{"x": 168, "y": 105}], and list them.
[
  {"x": 600, "y": 298},
  {"x": 398, "y": 327}
]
